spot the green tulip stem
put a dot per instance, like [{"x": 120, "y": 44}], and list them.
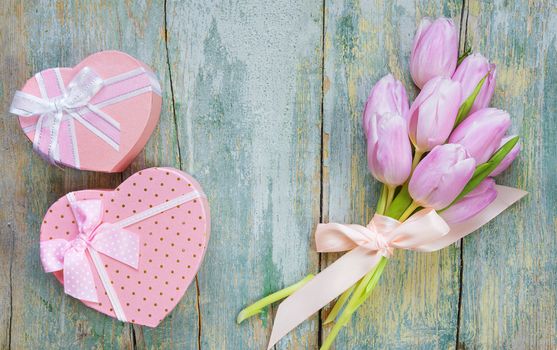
[
  {"x": 382, "y": 203},
  {"x": 348, "y": 311},
  {"x": 417, "y": 157},
  {"x": 339, "y": 304},
  {"x": 387, "y": 195},
  {"x": 390, "y": 196},
  {"x": 258, "y": 306},
  {"x": 385, "y": 199},
  {"x": 362, "y": 291},
  {"x": 409, "y": 211}
]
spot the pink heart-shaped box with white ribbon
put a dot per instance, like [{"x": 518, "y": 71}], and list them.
[
  {"x": 109, "y": 104},
  {"x": 131, "y": 252}
]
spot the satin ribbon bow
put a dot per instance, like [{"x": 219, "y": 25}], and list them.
[
  {"x": 77, "y": 95},
  {"x": 424, "y": 231},
  {"x": 383, "y": 234},
  {"x": 366, "y": 245},
  {"x": 94, "y": 236}
]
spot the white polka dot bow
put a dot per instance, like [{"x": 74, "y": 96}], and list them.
[{"x": 94, "y": 236}]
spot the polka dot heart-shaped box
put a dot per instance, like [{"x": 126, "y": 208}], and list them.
[{"x": 131, "y": 252}]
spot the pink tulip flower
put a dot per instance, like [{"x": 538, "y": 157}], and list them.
[
  {"x": 435, "y": 50},
  {"x": 432, "y": 115},
  {"x": 469, "y": 73},
  {"x": 441, "y": 176},
  {"x": 387, "y": 96},
  {"x": 509, "y": 158},
  {"x": 481, "y": 133},
  {"x": 389, "y": 153},
  {"x": 472, "y": 203}
]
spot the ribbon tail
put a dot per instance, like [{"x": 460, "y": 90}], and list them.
[
  {"x": 78, "y": 277},
  {"x": 321, "y": 290},
  {"x": 27, "y": 105},
  {"x": 506, "y": 196},
  {"x": 52, "y": 256},
  {"x": 73, "y": 140},
  {"x": 52, "y": 152}
]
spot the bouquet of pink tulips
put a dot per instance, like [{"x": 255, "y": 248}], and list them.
[{"x": 436, "y": 160}]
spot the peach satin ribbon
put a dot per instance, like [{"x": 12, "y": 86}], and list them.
[{"x": 424, "y": 231}]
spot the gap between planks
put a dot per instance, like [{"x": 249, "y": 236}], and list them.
[
  {"x": 463, "y": 26},
  {"x": 462, "y": 48}
]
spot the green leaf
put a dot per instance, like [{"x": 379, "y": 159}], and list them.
[
  {"x": 481, "y": 167},
  {"x": 484, "y": 170},
  {"x": 466, "y": 106},
  {"x": 400, "y": 203},
  {"x": 466, "y": 53}
]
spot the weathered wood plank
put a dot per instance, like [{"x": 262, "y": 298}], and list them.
[
  {"x": 415, "y": 304},
  {"x": 149, "y": 43},
  {"x": 247, "y": 84},
  {"x": 509, "y": 286},
  {"x": 31, "y": 185},
  {"x": 12, "y": 215},
  {"x": 39, "y": 35},
  {"x": 247, "y": 89}
]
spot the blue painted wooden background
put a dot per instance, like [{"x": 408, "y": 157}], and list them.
[{"x": 262, "y": 104}]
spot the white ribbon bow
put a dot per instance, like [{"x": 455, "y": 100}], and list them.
[{"x": 75, "y": 97}]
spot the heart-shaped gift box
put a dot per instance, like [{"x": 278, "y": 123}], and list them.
[
  {"x": 89, "y": 239},
  {"x": 109, "y": 104}
]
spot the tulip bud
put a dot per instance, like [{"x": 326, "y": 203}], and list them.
[
  {"x": 435, "y": 50},
  {"x": 387, "y": 96},
  {"x": 469, "y": 73},
  {"x": 441, "y": 175},
  {"x": 389, "y": 153},
  {"x": 472, "y": 203},
  {"x": 481, "y": 133},
  {"x": 509, "y": 158},
  {"x": 432, "y": 115}
]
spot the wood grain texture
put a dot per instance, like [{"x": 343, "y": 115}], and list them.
[
  {"x": 509, "y": 297},
  {"x": 40, "y": 35},
  {"x": 415, "y": 305},
  {"x": 36, "y": 39},
  {"x": 262, "y": 103},
  {"x": 247, "y": 82}
]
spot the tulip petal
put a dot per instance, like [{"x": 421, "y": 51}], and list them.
[
  {"x": 441, "y": 176},
  {"x": 434, "y": 51},
  {"x": 472, "y": 203},
  {"x": 481, "y": 133},
  {"x": 472, "y": 69},
  {"x": 388, "y": 150},
  {"x": 432, "y": 115},
  {"x": 387, "y": 96}
]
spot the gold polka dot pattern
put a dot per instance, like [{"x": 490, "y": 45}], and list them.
[{"x": 172, "y": 244}]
